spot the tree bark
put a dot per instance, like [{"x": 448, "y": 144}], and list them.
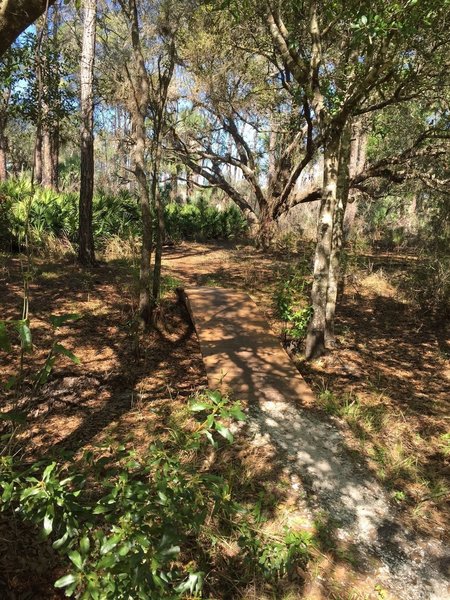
[
  {"x": 86, "y": 252},
  {"x": 139, "y": 101},
  {"x": 315, "y": 340},
  {"x": 3, "y": 151},
  {"x": 47, "y": 166},
  {"x": 16, "y": 16},
  {"x": 335, "y": 275},
  {"x": 157, "y": 203},
  {"x": 55, "y": 157}
]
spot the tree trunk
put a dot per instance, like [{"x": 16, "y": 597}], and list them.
[
  {"x": 189, "y": 186},
  {"x": 55, "y": 157},
  {"x": 157, "y": 203},
  {"x": 37, "y": 165},
  {"x": 266, "y": 229},
  {"x": 335, "y": 275},
  {"x": 3, "y": 151},
  {"x": 86, "y": 252},
  {"x": 139, "y": 99},
  {"x": 173, "y": 195},
  {"x": 38, "y": 156},
  {"x": 315, "y": 340},
  {"x": 146, "y": 215},
  {"x": 46, "y": 153}
]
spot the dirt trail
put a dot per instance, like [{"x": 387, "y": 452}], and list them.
[{"x": 236, "y": 345}]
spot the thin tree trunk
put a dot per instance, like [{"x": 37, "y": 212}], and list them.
[
  {"x": 46, "y": 152},
  {"x": 189, "y": 186},
  {"x": 157, "y": 203},
  {"x": 315, "y": 340},
  {"x": 335, "y": 275},
  {"x": 138, "y": 109},
  {"x": 174, "y": 196},
  {"x": 3, "y": 151},
  {"x": 37, "y": 165},
  {"x": 86, "y": 252},
  {"x": 55, "y": 157}
]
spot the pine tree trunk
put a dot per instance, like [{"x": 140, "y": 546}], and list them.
[
  {"x": 38, "y": 156},
  {"x": 315, "y": 340},
  {"x": 86, "y": 252},
  {"x": 174, "y": 196}
]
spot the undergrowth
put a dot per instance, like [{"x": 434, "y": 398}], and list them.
[
  {"x": 129, "y": 525},
  {"x": 396, "y": 452},
  {"x": 53, "y": 219}
]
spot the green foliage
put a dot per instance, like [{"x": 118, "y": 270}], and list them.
[
  {"x": 277, "y": 557},
  {"x": 56, "y": 213},
  {"x": 144, "y": 531},
  {"x": 292, "y": 303},
  {"x": 21, "y": 329},
  {"x": 201, "y": 221}
]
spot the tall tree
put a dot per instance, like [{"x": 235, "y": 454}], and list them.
[
  {"x": 86, "y": 253},
  {"x": 138, "y": 99},
  {"x": 349, "y": 59}
]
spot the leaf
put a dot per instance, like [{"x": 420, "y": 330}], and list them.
[
  {"x": 48, "y": 524},
  {"x": 224, "y": 432},
  {"x": 75, "y": 557},
  {"x": 84, "y": 545},
  {"x": 100, "y": 509},
  {"x": 192, "y": 584},
  {"x": 59, "y": 320},
  {"x": 5, "y": 344},
  {"x": 60, "y": 349},
  {"x": 199, "y": 406},
  {"x": 212, "y": 441},
  {"x": 215, "y": 396},
  {"x": 61, "y": 541},
  {"x": 43, "y": 375},
  {"x": 65, "y": 581},
  {"x": 236, "y": 412},
  {"x": 106, "y": 562},
  {"x": 48, "y": 471},
  {"x": 25, "y": 334},
  {"x": 171, "y": 551},
  {"x": 109, "y": 544}
]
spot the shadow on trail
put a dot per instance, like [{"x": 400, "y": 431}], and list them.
[{"x": 244, "y": 357}]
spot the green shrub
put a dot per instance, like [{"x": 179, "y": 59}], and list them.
[
  {"x": 201, "y": 221},
  {"x": 292, "y": 303},
  {"x": 148, "y": 525},
  {"x": 56, "y": 213}
]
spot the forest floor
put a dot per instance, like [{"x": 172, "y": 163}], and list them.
[{"x": 386, "y": 387}]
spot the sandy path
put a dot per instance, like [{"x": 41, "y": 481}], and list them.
[{"x": 242, "y": 355}]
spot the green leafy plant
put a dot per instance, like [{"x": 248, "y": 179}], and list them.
[
  {"x": 22, "y": 330},
  {"x": 292, "y": 305},
  {"x": 147, "y": 528},
  {"x": 57, "y": 349}
]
